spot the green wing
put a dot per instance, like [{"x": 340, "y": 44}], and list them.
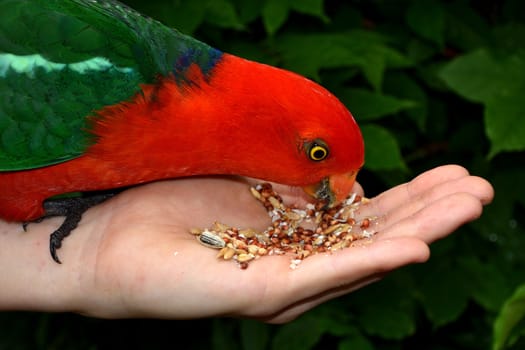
[{"x": 60, "y": 60}]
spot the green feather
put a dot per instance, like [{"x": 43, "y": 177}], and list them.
[{"x": 61, "y": 60}]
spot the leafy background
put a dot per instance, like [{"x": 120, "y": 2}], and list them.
[{"x": 430, "y": 82}]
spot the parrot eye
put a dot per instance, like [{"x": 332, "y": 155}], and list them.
[{"x": 317, "y": 151}]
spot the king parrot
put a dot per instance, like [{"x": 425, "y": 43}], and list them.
[{"x": 96, "y": 96}]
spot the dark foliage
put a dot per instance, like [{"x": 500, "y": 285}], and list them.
[{"x": 430, "y": 82}]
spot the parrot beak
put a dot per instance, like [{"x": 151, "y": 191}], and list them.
[{"x": 332, "y": 189}]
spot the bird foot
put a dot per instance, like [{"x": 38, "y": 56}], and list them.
[{"x": 72, "y": 208}]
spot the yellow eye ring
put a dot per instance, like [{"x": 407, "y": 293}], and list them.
[{"x": 317, "y": 152}]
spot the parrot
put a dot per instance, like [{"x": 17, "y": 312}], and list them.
[{"x": 96, "y": 97}]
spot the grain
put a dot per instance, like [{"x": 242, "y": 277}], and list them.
[{"x": 298, "y": 232}]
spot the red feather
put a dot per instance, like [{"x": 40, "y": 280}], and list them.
[{"x": 245, "y": 118}]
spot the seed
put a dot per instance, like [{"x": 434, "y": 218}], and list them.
[
  {"x": 331, "y": 229},
  {"x": 245, "y": 257},
  {"x": 308, "y": 232},
  {"x": 305, "y": 253},
  {"x": 294, "y": 216},
  {"x": 237, "y": 243},
  {"x": 221, "y": 252},
  {"x": 262, "y": 238},
  {"x": 228, "y": 254},
  {"x": 319, "y": 240},
  {"x": 275, "y": 202},
  {"x": 220, "y": 227},
  {"x": 248, "y": 232},
  {"x": 340, "y": 245},
  {"x": 365, "y": 223},
  {"x": 255, "y": 193},
  {"x": 211, "y": 239},
  {"x": 195, "y": 231},
  {"x": 253, "y": 249},
  {"x": 265, "y": 193}
]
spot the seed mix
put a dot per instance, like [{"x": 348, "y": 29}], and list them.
[{"x": 294, "y": 231}]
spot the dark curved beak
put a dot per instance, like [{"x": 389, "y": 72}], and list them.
[{"x": 333, "y": 189}]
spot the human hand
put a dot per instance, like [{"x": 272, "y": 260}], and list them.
[{"x": 132, "y": 256}]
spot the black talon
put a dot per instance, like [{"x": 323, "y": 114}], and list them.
[
  {"x": 72, "y": 208},
  {"x": 73, "y": 213}
]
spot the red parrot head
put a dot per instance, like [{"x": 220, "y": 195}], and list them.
[{"x": 300, "y": 134}]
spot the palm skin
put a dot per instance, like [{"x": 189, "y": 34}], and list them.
[{"x": 132, "y": 256}]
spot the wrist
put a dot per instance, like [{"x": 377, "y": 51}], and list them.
[{"x": 30, "y": 279}]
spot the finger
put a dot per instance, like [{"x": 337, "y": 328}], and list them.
[
  {"x": 345, "y": 269},
  {"x": 358, "y": 189},
  {"x": 296, "y": 309},
  {"x": 436, "y": 220},
  {"x": 404, "y": 193},
  {"x": 475, "y": 186}
]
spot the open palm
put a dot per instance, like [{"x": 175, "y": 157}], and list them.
[{"x": 132, "y": 256}]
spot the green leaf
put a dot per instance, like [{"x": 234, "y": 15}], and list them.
[
  {"x": 222, "y": 13},
  {"x": 426, "y": 18},
  {"x": 490, "y": 287},
  {"x": 274, "y": 14},
  {"x": 308, "y": 53},
  {"x": 402, "y": 85},
  {"x": 185, "y": 16},
  {"x": 224, "y": 335},
  {"x": 254, "y": 335},
  {"x": 511, "y": 314},
  {"x": 381, "y": 149},
  {"x": 478, "y": 76},
  {"x": 301, "y": 334},
  {"x": 310, "y": 7},
  {"x": 420, "y": 50},
  {"x": 388, "y": 322},
  {"x": 465, "y": 29},
  {"x": 366, "y": 105},
  {"x": 444, "y": 294},
  {"x": 498, "y": 83},
  {"x": 504, "y": 123},
  {"x": 508, "y": 39},
  {"x": 355, "y": 342},
  {"x": 248, "y": 10},
  {"x": 385, "y": 309}
]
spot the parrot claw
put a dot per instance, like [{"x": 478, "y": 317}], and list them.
[{"x": 72, "y": 209}]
